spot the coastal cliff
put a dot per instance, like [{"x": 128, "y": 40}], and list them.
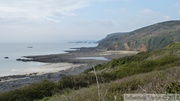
[{"x": 151, "y": 37}]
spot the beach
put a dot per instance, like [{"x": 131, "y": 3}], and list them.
[{"x": 59, "y": 65}]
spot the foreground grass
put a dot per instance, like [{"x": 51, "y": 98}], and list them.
[
  {"x": 29, "y": 93},
  {"x": 147, "y": 72},
  {"x": 156, "y": 82}
]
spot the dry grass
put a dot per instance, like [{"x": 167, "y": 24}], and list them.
[{"x": 153, "y": 82}]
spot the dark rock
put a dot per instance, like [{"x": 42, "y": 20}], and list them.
[
  {"x": 6, "y": 57},
  {"x": 30, "y": 47},
  {"x": 24, "y": 60}
]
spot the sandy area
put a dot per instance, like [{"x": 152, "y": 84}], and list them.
[
  {"x": 46, "y": 68},
  {"x": 118, "y": 52}
]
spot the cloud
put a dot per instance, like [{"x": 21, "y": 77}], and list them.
[
  {"x": 114, "y": 0},
  {"x": 143, "y": 18},
  {"x": 49, "y": 20},
  {"x": 52, "y": 19},
  {"x": 146, "y": 11},
  {"x": 106, "y": 23},
  {"x": 121, "y": 10},
  {"x": 166, "y": 17},
  {"x": 36, "y": 20},
  {"x": 177, "y": 5},
  {"x": 124, "y": 10},
  {"x": 40, "y": 9}
]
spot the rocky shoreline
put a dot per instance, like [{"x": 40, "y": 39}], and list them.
[{"x": 15, "y": 81}]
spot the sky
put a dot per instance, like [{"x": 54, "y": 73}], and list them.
[{"x": 60, "y": 20}]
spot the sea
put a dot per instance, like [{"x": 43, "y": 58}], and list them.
[{"x": 9, "y": 52}]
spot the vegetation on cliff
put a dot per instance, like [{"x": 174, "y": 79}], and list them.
[{"x": 148, "y": 38}]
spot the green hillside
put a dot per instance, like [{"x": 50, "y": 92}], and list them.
[
  {"x": 148, "y": 38},
  {"x": 152, "y": 72},
  {"x": 111, "y": 35}
]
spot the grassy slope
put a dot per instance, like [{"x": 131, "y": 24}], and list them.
[
  {"x": 151, "y": 37},
  {"x": 153, "y": 82},
  {"x": 154, "y": 71},
  {"x": 148, "y": 72}
]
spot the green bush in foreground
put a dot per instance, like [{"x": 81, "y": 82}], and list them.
[
  {"x": 76, "y": 81},
  {"x": 30, "y": 93},
  {"x": 173, "y": 88},
  {"x": 155, "y": 82}
]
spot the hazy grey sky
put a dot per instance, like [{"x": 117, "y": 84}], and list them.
[{"x": 56, "y": 20}]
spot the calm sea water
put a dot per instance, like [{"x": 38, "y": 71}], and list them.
[{"x": 17, "y": 50}]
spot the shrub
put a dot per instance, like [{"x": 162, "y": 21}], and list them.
[
  {"x": 173, "y": 88},
  {"x": 76, "y": 81},
  {"x": 30, "y": 93}
]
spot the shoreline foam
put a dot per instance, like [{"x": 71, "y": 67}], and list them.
[
  {"x": 46, "y": 68},
  {"x": 38, "y": 70}
]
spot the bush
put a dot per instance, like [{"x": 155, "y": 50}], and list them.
[
  {"x": 173, "y": 88},
  {"x": 30, "y": 93},
  {"x": 76, "y": 81}
]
